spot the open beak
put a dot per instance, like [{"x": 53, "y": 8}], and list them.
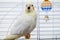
[{"x": 28, "y": 7}]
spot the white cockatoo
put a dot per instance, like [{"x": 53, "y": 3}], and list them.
[{"x": 24, "y": 25}]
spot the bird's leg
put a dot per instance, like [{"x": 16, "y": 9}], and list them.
[{"x": 27, "y": 36}]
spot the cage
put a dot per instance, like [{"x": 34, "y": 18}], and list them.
[{"x": 10, "y": 10}]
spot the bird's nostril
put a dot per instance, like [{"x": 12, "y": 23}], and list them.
[{"x": 28, "y": 7}]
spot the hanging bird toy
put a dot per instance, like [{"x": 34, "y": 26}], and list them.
[{"x": 46, "y": 6}]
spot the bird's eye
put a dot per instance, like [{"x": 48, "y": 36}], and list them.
[{"x": 32, "y": 5}]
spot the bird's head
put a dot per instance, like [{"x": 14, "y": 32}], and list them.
[{"x": 29, "y": 8}]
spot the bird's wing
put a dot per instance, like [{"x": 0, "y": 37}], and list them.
[{"x": 21, "y": 25}]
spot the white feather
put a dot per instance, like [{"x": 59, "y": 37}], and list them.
[{"x": 24, "y": 24}]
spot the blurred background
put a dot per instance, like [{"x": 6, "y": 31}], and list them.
[{"x": 11, "y": 9}]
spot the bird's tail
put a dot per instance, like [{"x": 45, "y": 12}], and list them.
[{"x": 11, "y": 37}]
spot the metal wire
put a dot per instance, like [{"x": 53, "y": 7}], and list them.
[{"x": 38, "y": 28}]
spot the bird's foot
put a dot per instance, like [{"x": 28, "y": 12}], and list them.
[{"x": 27, "y": 36}]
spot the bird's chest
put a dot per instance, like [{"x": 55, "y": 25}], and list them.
[{"x": 33, "y": 23}]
